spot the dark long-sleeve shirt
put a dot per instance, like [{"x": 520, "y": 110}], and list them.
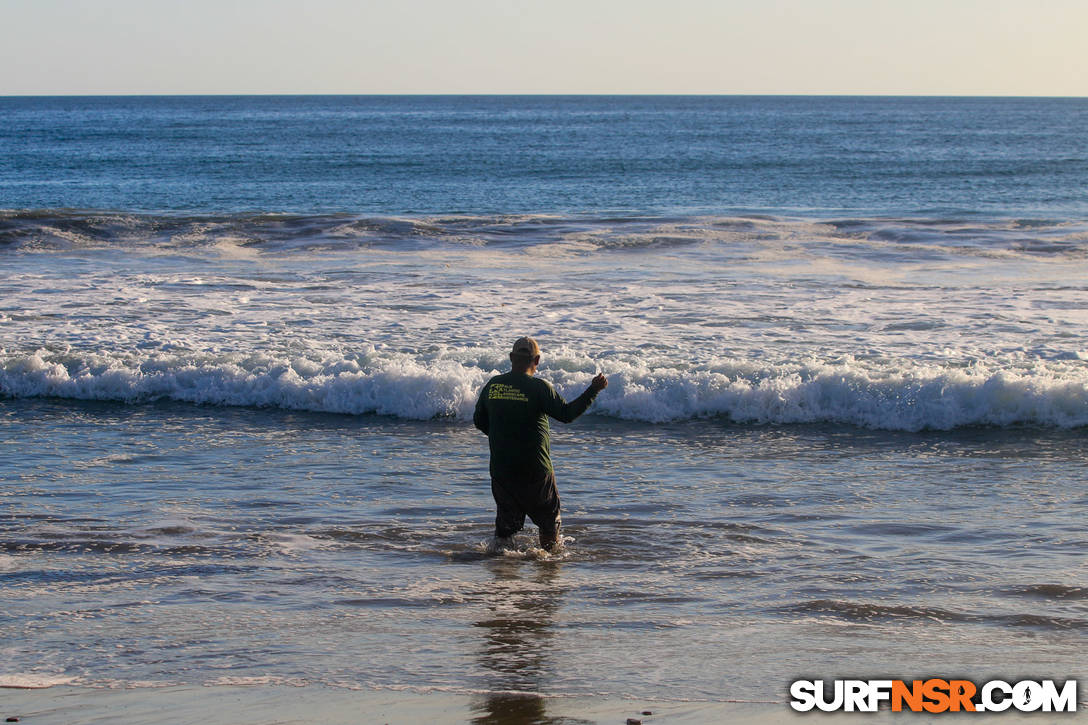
[{"x": 513, "y": 411}]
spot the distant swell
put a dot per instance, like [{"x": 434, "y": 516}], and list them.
[
  {"x": 891, "y": 395},
  {"x": 76, "y": 229},
  {"x": 72, "y": 229}
]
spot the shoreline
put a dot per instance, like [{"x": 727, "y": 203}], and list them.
[
  {"x": 284, "y": 704},
  {"x": 298, "y": 705}
]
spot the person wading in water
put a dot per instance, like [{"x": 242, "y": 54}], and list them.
[{"x": 513, "y": 411}]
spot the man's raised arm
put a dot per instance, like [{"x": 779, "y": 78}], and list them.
[{"x": 565, "y": 412}]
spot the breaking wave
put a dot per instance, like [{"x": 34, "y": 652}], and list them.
[{"x": 889, "y": 395}]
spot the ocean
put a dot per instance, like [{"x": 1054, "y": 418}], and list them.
[{"x": 844, "y": 436}]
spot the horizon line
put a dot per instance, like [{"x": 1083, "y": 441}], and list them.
[{"x": 543, "y": 94}]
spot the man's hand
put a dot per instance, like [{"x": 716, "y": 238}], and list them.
[{"x": 599, "y": 383}]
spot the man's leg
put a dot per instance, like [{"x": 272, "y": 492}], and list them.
[
  {"x": 509, "y": 516},
  {"x": 549, "y": 539},
  {"x": 545, "y": 511}
]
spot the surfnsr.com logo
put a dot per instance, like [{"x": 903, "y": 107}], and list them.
[{"x": 933, "y": 696}]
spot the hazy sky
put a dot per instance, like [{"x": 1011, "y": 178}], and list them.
[{"x": 968, "y": 47}]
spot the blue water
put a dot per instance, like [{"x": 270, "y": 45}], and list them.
[
  {"x": 241, "y": 339},
  {"x": 545, "y": 154}
]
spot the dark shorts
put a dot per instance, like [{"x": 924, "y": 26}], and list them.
[{"x": 534, "y": 495}]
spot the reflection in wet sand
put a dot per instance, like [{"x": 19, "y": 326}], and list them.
[{"x": 516, "y": 645}]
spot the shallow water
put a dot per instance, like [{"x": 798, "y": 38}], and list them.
[{"x": 167, "y": 544}]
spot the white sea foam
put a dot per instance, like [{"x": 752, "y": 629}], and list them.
[
  {"x": 899, "y": 324},
  {"x": 255, "y": 681},
  {"x": 524, "y": 547},
  {"x": 33, "y": 681},
  {"x": 895, "y": 395}
]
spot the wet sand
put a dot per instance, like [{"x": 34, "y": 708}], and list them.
[
  {"x": 279, "y": 705},
  {"x": 284, "y": 705}
]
